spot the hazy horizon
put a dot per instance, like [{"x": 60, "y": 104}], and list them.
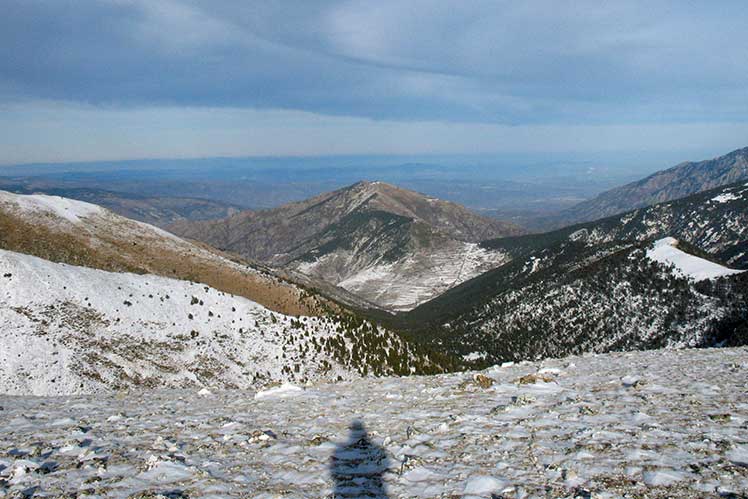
[{"x": 120, "y": 80}]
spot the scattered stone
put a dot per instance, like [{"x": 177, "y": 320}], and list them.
[
  {"x": 586, "y": 410},
  {"x": 531, "y": 379},
  {"x": 632, "y": 381},
  {"x": 722, "y": 418},
  {"x": 522, "y": 400},
  {"x": 262, "y": 436},
  {"x": 482, "y": 380},
  {"x": 318, "y": 440},
  {"x": 148, "y": 494}
]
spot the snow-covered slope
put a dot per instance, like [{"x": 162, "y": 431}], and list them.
[
  {"x": 406, "y": 282},
  {"x": 715, "y": 221},
  {"x": 80, "y": 233},
  {"x": 657, "y": 425},
  {"x": 68, "y": 329},
  {"x": 666, "y": 251},
  {"x": 601, "y": 286},
  {"x": 54, "y": 206}
]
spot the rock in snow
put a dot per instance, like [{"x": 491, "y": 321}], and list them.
[
  {"x": 586, "y": 435},
  {"x": 484, "y": 486}
]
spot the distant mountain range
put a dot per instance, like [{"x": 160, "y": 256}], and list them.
[
  {"x": 666, "y": 185},
  {"x": 391, "y": 246}
]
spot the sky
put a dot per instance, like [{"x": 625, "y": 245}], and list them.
[{"x": 125, "y": 79}]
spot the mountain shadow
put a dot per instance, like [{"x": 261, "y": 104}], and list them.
[{"x": 357, "y": 466}]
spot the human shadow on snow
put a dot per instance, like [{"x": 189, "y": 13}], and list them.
[{"x": 357, "y": 466}]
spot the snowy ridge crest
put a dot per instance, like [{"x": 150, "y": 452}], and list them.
[{"x": 35, "y": 204}]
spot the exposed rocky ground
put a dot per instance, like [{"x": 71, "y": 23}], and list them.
[{"x": 652, "y": 424}]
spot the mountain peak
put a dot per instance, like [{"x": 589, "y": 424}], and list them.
[
  {"x": 364, "y": 235},
  {"x": 376, "y": 186},
  {"x": 368, "y": 195}
]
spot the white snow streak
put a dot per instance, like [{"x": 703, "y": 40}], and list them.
[
  {"x": 68, "y": 209},
  {"x": 665, "y": 251}
]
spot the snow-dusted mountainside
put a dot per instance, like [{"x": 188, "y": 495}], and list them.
[
  {"x": 656, "y": 425},
  {"x": 572, "y": 299},
  {"x": 604, "y": 286},
  {"x": 666, "y": 185},
  {"x": 80, "y": 233},
  {"x": 393, "y": 247},
  {"x": 715, "y": 221},
  {"x": 68, "y": 329},
  {"x": 399, "y": 280}
]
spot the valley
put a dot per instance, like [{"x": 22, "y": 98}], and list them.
[
  {"x": 373, "y": 250},
  {"x": 368, "y": 306}
]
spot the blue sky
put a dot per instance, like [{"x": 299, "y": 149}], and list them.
[{"x": 116, "y": 79}]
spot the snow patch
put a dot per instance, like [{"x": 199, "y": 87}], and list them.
[
  {"x": 739, "y": 456},
  {"x": 68, "y": 209},
  {"x": 285, "y": 390},
  {"x": 473, "y": 356},
  {"x": 482, "y": 485},
  {"x": 725, "y": 197},
  {"x": 662, "y": 477},
  {"x": 665, "y": 251}
]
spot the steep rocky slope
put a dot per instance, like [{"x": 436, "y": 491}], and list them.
[
  {"x": 68, "y": 329},
  {"x": 673, "y": 183},
  {"x": 603, "y": 286},
  {"x": 391, "y": 246},
  {"x": 654, "y": 425}
]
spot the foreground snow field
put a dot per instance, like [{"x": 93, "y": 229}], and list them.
[{"x": 645, "y": 424}]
